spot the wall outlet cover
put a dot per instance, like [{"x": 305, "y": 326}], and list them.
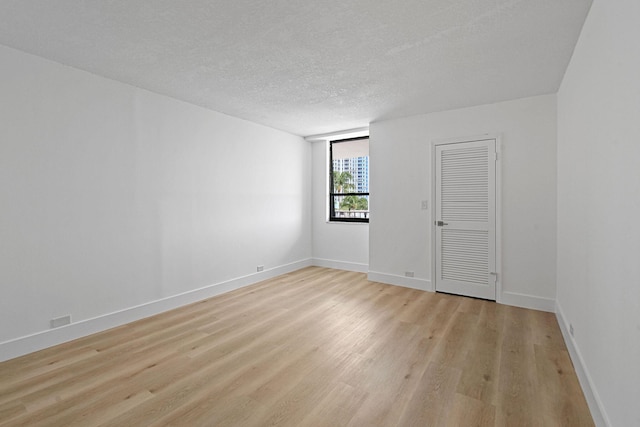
[{"x": 60, "y": 321}]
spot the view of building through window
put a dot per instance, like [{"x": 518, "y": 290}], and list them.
[{"x": 349, "y": 180}]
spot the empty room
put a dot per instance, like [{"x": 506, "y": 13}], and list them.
[{"x": 244, "y": 213}]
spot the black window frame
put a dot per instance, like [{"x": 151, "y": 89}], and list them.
[{"x": 332, "y": 195}]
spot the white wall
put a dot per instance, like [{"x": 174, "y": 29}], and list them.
[
  {"x": 112, "y": 196},
  {"x": 400, "y": 232},
  {"x": 335, "y": 245},
  {"x": 599, "y": 208}
]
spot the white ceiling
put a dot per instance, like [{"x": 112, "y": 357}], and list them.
[{"x": 304, "y": 66}]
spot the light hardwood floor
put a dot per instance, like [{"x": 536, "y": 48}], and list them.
[{"x": 316, "y": 347}]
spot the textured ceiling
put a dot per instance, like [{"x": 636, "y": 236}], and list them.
[{"x": 309, "y": 67}]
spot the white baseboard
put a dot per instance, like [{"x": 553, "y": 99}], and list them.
[
  {"x": 41, "y": 340},
  {"x": 340, "y": 265},
  {"x": 407, "y": 282},
  {"x": 598, "y": 413},
  {"x": 527, "y": 301}
]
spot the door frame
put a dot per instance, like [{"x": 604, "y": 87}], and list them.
[{"x": 432, "y": 216}]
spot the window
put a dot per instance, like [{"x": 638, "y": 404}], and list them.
[{"x": 349, "y": 180}]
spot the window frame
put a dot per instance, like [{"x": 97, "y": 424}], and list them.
[{"x": 332, "y": 195}]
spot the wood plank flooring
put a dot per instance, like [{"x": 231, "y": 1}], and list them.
[{"x": 317, "y": 347}]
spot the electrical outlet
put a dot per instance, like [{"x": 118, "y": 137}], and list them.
[
  {"x": 408, "y": 273},
  {"x": 424, "y": 205},
  {"x": 260, "y": 268},
  {"x": 571, "y": 329},
  {"x": 60, "y": 321}
]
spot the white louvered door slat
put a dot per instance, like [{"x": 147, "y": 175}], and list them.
[{"x": 466, "y": 209}]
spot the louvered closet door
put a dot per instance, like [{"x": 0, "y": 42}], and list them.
[{"x": 466, "y": 218}]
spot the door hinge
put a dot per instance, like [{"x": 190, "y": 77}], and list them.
[
  {"x": 495, "y": 156},
  {"x": 494, "y": 275}
]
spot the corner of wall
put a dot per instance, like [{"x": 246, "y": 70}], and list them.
[
  {"x": 340, "y": 265},
  {"x": 527, "y": 301}
]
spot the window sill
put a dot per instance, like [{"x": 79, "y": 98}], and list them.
[{"x": 347, "y": 222}]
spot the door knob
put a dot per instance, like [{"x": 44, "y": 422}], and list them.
[{"x": 441, "y": 223}]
